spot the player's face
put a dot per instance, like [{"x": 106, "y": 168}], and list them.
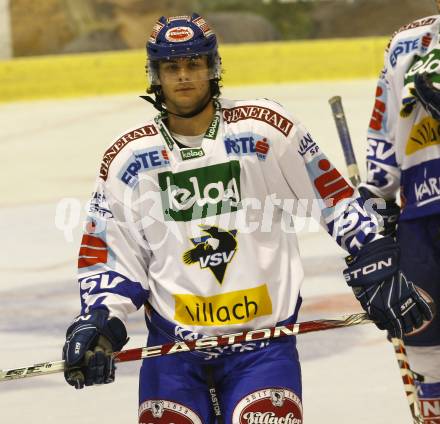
[{"x": 185, "y": 82}]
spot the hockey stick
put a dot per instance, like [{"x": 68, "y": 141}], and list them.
[
  {"x": 354, "y": 175},
  {"x": 136, "y": 354},
  {"x": 344, "y": 138}
]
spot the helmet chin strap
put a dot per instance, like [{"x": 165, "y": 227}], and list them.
[{"x": 159, "y": 106}]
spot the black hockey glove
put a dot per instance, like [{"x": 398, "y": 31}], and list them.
[
  {"x": 390, "y": 214},
  {"x": 90, "y": 341},
  {"x": 389, "y": 299},
  {"x": 428, "y": 95}
]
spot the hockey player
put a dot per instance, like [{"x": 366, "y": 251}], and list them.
[
  {"x": 189, "y": 219},
  {"x": 404, "y": 152}
]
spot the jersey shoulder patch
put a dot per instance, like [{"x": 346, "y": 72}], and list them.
[
  {"x": 110, "y": 154},
  {"x": 262, "y": 110},
  {"x": 418, "y": 23}
]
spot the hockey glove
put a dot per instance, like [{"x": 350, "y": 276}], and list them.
[
  {"x": 389, "y": 299},
  {"x": 390, "y": 214},
  {"x": 90, "y": 341},
  {"x": 428, "y": 95}
]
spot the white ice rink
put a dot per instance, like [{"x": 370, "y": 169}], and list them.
[{"x": 51, "y": 150}]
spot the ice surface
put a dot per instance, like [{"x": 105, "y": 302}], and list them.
[{"x": 50, "y": 150}]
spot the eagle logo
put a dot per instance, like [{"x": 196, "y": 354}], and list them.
[{"x": 214, "y": 250}]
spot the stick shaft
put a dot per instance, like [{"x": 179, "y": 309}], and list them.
[
  {"x": 345, "y": 139},
  {"x": 196, "y": 345},
  {"x": 408, "y": 380}
]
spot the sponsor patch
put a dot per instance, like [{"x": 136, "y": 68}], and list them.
[
  {"x": 213, "y": 251},
  {"x": 202, "y": 192},
  {"x": 424, "y": 186},
  {"x": 178, "y": 18},
  {"x": 247, "y": 144},
  {"x": 119, "y": 144},
  {"x": 234, "y": 307},
  {"x": 403, "y": 47},
  {"x": 143, "y": 160},
  {"x": 329, "y": 184},
  {"x": 429, "y": 64},
  {"x": 259, "y": 113},
  {"x": 155, "y": 31},
  {"x": 201, "y": 23},
  {"x": 414, "y": 24},
  {"x": 427, "y": 191},
  {"x": 212, "y": 130},
  {"x": 191, "y": 153},
  {"x": 308, "y": 148},
  {"x": 378, "y": 116},
  {"x": 166, "y": 412},
  {"x": 164, "y": 133},
  {"x": 98, "y": 206},
  {"x": 179, "y": 34},
  {"x": 426, "y": 41},
  {"x": 430, "y": 410},
  {"x": 424, "y": 134},
  {"x": 381, "y": 151},
  {"x": 93, "y": 251},
  {"x": 272, "y": 405}
]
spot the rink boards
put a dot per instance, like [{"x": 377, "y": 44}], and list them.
[{"x": 89, "y": 74}]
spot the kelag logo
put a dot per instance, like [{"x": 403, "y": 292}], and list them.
[
  {"x": 191, "y": 153},
  {"x": 213, "y": 251},
  {"x": 429, "y": 64},
  {"x": 201, "y": 192}
]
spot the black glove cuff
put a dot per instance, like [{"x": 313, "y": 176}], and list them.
[{"x": 375, "y": 262}]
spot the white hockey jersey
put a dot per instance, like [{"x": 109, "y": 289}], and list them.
[
  {"x": 403, "y": 139},
  {"x": 205, "y": 234}
]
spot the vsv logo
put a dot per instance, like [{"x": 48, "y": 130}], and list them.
[
  {"x": 381, "y": 151},
  {"x": 201, "y": 192},
  {"x": 214, "y": 250}
]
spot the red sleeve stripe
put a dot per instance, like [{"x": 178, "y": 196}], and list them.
[
  {"x": 89, "y": 257},
  {"x": 93, "y": 241}
]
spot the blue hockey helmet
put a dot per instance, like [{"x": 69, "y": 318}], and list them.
[{"x": 182, "y": 36}]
